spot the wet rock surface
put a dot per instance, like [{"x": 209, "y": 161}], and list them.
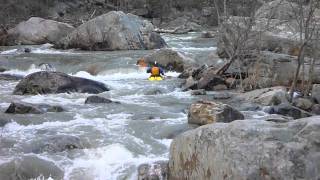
[
  {"x": 98, "y": 100},
  {"x": 218, "y": 151},
  {"x": 55, "y": 82},
  {"x": 30, "y": 167},
  {"x": 27, "y": 108},
  {"x": 10, "y": 77},
  {"x": 207, "y": 112},
  {"x": 55, "y": 144},
  {"x": 153, "y": 171}
]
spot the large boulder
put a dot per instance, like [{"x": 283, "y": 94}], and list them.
[
  {"x": 168, "y": 59},
  {"x": 210, "y": 81},
  {"x": 248, "y": 149},
  {"x": 38, "y": 31},
  {"x": 203, "y": 77},
  {"x": 278, "y": 9},
  {"x": 26, "y": 108},
  {"x": 206, "y": 112},
  {"x": 267, "y": 96},
  {"x": 114, "y": 31},
  {"x": 45, "y": 82}
]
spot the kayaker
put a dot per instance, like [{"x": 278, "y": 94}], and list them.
[{"x": 155, "y": 71}]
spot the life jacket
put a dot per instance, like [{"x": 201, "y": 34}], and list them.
[{"x": 155, "y": 71}]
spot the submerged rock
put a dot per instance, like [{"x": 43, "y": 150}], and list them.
[
  {"x": 207, "y": 112},
  {"x": 98, "y": 99},
  {"x": 2, "y": 69},
  {"x": 248, "y": 149},
  {"x": 113, "y": 31},
  {"x": 45, "y": 82},
  {"x": 30, "y": 167},
  {"x": 198, "y": 92},
  {"x": 168, "y": 59},
  {"x": 154, "y": 171},
  {"x": 3, "y": 122},
  {"x": 26, "y": 108},
  {"x": 56, "y": 144},
  {"x": 38, "y": 31}
]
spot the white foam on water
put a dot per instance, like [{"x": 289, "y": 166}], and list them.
[
  {"x": 166, "y": 142},
  {"x": 32, "y": 69},
  {"x": 57, "y": 99},
  {"x": 110, "y": 162},
  {"x": 51, "y": 51},
  {"x": 195, "y": 49},
  {"x": 9, "y": 52}
]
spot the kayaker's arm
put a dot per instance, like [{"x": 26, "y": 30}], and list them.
[
  {"x": 162, "y": 72},
  {"x": 149, "y": 70}
]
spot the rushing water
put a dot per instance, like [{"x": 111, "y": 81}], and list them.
[{"x": 117, "y": 137}]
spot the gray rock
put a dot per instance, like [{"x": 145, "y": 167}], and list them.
[
  {"x": 38, "y": 31},
  {"x": 56, "y": 144},
  {"x": 2, "y": 69},
  {"x": 248, "y": 149},
  {"x": 207, "y": 112},
  {"x": 26, "y": 108},
  {"x": 210, "y": 81},
  {"x": 316, "y": 109},
  {"x": 10, "y": 77},
  {"x": 30, "y": 167},
  {"x": 266, "y": 96},
  {"x": 303, "y": 103},
  {"x": 168, "y": 59},
  {"x": 189, "y": 83},
  {"x": 315, "y": 93},
  {"x": 181, "y": 25},
  {"x": 154, "y": 171},
  {"x": 97, "y": 99},
  {"x": 288, "y": 110},
  {"x": 198, "y": 92},
  {"x": 207, "y": 34},
  {"x": 278, "y": 9},
  {"x": 113, "y": 31},
  {"x": 45, "y": 82},
  {"x": 3, "y": 122}
]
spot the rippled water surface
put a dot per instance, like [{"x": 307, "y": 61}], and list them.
[{"x": 117, "y": 138}]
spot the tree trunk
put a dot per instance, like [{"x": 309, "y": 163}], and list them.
[{"x": 296, "y": 75}]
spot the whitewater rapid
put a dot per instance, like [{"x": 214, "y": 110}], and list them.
[{"x": 117, "y": 138}]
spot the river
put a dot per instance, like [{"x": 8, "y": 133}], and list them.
[{"x": 117, "y": 137}]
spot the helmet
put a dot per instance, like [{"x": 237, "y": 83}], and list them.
[{"x": 155, "y": 63}]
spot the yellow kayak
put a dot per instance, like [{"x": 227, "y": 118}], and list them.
[{"x": 155, "y": 78}]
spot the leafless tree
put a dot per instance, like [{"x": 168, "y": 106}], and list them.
[{"x": 307, "y": 31}]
